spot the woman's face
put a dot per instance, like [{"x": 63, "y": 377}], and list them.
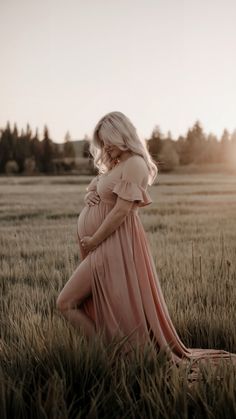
[{"x": 112, "y": 150}]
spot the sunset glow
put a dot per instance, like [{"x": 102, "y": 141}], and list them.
[{"x": 165, "y": 62}]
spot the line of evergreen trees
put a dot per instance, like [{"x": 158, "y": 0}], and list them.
[
  {"x": 26, "y": 153},
  {"x": 196, "y": 147}
]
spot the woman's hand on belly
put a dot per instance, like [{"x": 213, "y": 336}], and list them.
[
  {"x": 87, "y": 243},
  {"x": 92, "y": 198}
]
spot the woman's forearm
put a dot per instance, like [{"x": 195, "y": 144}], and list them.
[{"x": 112, "y": 221}]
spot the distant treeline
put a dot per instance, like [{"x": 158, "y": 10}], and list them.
[
  {"x": 26, "y": 153},
  {"x": 196, "y": 147}
]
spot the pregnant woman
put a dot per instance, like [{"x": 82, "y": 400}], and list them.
[{"x": 115, "y": 289}]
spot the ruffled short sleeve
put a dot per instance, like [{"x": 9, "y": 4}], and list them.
[
  {"x": 131, "y": 191},
  {"x": 92, "y": 186},
  {"x": 133, "y": 183}
]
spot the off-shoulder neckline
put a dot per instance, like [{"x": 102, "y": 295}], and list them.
[{"x": 118, "y": 165}]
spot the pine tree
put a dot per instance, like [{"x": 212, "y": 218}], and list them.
[
  {"x": 47, "y": 152},
  {"x": 194, "y": 145},
  {"x": 36, "y": 150},
  {"x": 154, "y": 144},
  {"x": 6, "y": 146},
  {"x": 68, "y": 148},
  {"x": 225, "y": 146}
]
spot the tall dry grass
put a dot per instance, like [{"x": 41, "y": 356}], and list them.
[{"x": 48, "y": 370}]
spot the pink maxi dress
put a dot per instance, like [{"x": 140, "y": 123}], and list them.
[{"x": 126, "y": 296}]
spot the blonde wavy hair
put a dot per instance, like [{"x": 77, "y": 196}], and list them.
[{"x": 115, "y": 128}]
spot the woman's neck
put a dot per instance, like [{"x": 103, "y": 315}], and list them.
[{"x": 125, "y": 155}]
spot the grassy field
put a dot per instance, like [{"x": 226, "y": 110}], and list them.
[{"x": 47, "y": 370}]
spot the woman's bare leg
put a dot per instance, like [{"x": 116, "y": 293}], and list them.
[{"x": 73, "y": 294}]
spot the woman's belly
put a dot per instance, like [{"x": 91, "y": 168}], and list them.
[{"x": 90, "y": 218}]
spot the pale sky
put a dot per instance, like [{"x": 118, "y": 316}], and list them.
[{"x": 161, "y": 62}]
